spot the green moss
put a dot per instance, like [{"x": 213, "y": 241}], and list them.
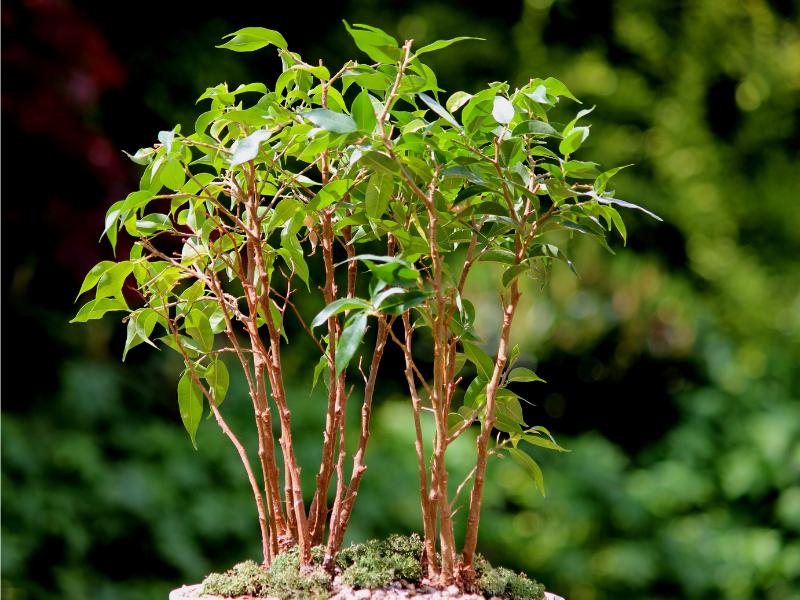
[
  {"x": 244, "y": 578},
  {"x": 283, "y": 579},
  {"x": 377, "y": 563},
  {"x": 499, "y": 581},
  {"x": 370, "y": 565}
]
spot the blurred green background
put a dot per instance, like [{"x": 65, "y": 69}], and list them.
[{"x": 672, "y": 367}]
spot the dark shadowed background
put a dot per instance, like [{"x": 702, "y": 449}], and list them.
[{"x": 672, "y": 367}]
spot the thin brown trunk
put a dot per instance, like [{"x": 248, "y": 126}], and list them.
[
  {"x": 428, "y": 510},
  {"x": 359, "y": 468},
  {"x": 476, "y": 495},
  {"x": 262, "y": 516},
  {"x": 294, "y": 498},
  {"x": 319, "y": 504}
]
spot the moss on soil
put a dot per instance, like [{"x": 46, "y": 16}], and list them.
[{"x": 373, "y": 564}]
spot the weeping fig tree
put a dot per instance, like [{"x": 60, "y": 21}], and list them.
[{"x": 392, "y": 190}]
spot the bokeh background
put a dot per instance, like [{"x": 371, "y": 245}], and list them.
[{"x": 672, "y": 367}]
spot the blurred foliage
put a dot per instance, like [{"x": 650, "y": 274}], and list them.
[{"x": 672, "y": 366}]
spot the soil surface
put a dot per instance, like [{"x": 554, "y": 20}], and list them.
[{"x": 394, "y": 591}]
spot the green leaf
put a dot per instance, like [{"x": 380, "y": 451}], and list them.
[
  {"x": 338, "y": 306},
  {"x": 475, "y": 395},
  {"x": 95, "y": 309},
  {"x": 218, "y": 380},
  {"x": 352, "y": 334},
  {"x": 331, "y": 192},
  {"x": 363, "y": 112},
  {"x": 140, "y": 326},
  {"x": 457, "y": 100},
  {"x": 580, "y": 169},
  {"x": 330, "y": 120},
  {"x": 508, "y": 405},
  {"x": 246, "y": 149},
  {"x": 534, "y": 127},
  {"x": 379, "y": 162},
  {"x": 543, "y": 442},
  {"x": 573, "y": 140},
  {"x": 480, "y": 359},
  {"x": 556, "y": 88},
  {"x": 510, "y": 274},
  {"x": 319, "y": 71},
  {"x": 530, "y": 466},
  {"x": 143, "y": 156},
  {"x": 322, "y": 366},
  {"x": 110, "y": 282},
  {"x": 198, "y": 327},
  {"x": 602, "y": 179},
  {"x": 571, "y": 124},
  {"x": 253, "y": 38},
  {"x": 398, "y": 304},
  {"x": 190, "y": 404},
  {"x": 539, "y": 95},
  {"x": 624, "y": 203},
  {"x": 153, "y": 222},
  {"x": 379, "y": 191},
  {"x": 166, "y": 138},
  {"x": 523, "y": 374},
  {"x": 291, "y": 244},
  {"x": 502, "y": 110},
  {"x": 283, "y": 212},
  {"x": 375, "y": 43},
  {"x": 439, "y": 44},
  {"x": 94, "y": 275},
  {"x": 439, "y": 109}
]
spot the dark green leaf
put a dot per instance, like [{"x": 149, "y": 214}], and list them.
[
  {"x": 475, "y": 395},
  {"x": 573, "y": 140},
  {"x": 352, "y": 334},
  {"x": 480, "y": 359},
  {"x": 510, "y": 274},
  {"x": 379, "y": 162},
  {"x": 375, "y": 43},
  {"x": 379, "y": 191},
  {"x": 218, "y": 380},
  {"x": 190, "y": 404},
  {"x": 338, "y": 306},
  {"x": 198, "y": 327},
  {"x": 534, "y": 127},
  {"x": 363, "y": 112}
]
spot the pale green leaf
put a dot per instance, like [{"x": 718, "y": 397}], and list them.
[
  {"x": 530, "y": 466},
  {"x": 502, "y": 110},
  {"x": 253, "y": 38},
  {"x": 439, "y": 44}
]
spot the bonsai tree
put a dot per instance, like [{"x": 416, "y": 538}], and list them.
[{"x": 367, "y": 172}]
